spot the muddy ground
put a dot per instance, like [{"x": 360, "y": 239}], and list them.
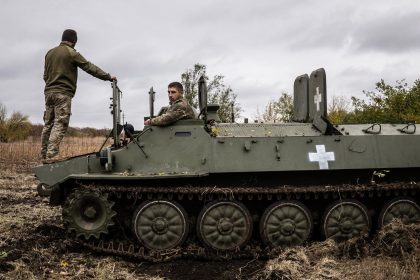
[{"x": 33, "y": 246}]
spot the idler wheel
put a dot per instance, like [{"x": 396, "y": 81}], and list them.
[
  {"x": 43, "y": 189},
  {"x": 88, "y": 213},
  {"x": 285, "y": 223},
  {"x": 160, "y": 225},
  {"x": 345, "y": 219},
  {"x": 405, "y": 209},
  {"x": 224, "y": 225}
]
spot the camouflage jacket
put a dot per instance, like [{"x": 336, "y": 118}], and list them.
[
  {"x": 178, "y": 110},
  {"x": 60, "y": 71}
]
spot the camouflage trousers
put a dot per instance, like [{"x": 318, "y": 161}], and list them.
[{"x": 56, "y": 121}]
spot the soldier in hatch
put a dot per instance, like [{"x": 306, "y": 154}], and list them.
[
  {"x": 60, "y": 76},
  {"x": 179, "y": 108}
]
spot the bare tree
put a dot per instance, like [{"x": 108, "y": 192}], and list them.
[
  {"x": 278, "y": 111},
  {"x": 338, "y": 109},
  {"x": 16, "y": 127},
  {"x": 218, "y": 92},
  {"x": 3, "y": 113}
]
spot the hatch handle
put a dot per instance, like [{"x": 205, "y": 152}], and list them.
[
  {"x": 406, "y": 130},
  {"x": 371, "y": 129}
]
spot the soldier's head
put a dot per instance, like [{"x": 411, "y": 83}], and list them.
[
  {"x": 69, "y": 35},
  {"x": 175, "y": 91}
]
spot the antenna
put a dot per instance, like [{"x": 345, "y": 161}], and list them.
[
  {"x": 232, "y": 112},
  {"x": 151, "y": 102},
  {"x": 202, "y": 97},
  {"x": 116, "y": 113}
]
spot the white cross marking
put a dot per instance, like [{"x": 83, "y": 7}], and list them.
[
  {"x": 322, "y": 157},
  {"x": 317, "y": 98}
]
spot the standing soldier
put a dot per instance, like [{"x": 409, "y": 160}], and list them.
[
  {"x": 178, "y": 109},
  {"x": 60, "y": 76}
]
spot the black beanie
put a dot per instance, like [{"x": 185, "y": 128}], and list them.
[{"x": 69, "y": 35}]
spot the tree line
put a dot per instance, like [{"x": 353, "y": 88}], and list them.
[
  {"x": 399, "y": 103},
  {"x": 17, "y": 127},
  {"x": 14, "y": 127}
]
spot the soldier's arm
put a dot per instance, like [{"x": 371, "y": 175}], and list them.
[
  {"x": 89, "y": 67},
  {"x": 171, "y": 116}
]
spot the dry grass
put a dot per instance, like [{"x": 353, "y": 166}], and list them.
[
  {"x": 21, "y": 156},
  {"x": 33, "y": 243},
  {"x": 380, "y": 268},
  {"x": 394, "y": 253}
]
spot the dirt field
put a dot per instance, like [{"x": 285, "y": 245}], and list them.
[{"x": 33, "y": 246}]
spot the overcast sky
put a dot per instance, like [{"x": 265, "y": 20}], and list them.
[{"x": 259, "y": 46}]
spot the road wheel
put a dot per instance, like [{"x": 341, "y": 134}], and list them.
[
  {"x": 224, "y": 225},
  {"x": 160, "y": 224},
  {"x": 405, "y": 209},
  {"x": 285, "y": 223},
  {"x": 345, "y": 219}
]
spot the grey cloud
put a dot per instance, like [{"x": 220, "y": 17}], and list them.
[
  {"x": 394, "y": 32},
  {"x": 314, "y": 26},
  {"x": 342, "y": 26},
  {"x": 352, "y": 81}
]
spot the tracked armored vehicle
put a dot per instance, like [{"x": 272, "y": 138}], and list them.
[{"x": 201, "y": 187}]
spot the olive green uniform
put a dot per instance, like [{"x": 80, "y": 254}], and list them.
[
  {"x": 60, "y": 76},
  {"x": 178, "y": 110}
]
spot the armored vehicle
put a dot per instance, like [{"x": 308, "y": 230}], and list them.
[{"x": 201, "y": 187}]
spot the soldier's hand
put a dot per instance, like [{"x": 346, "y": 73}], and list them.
[
  {"x": 113, "y": 79},
  {"x": 147, "y": 122}
]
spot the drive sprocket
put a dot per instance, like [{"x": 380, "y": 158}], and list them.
[{"x": 88, "y": 213}]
